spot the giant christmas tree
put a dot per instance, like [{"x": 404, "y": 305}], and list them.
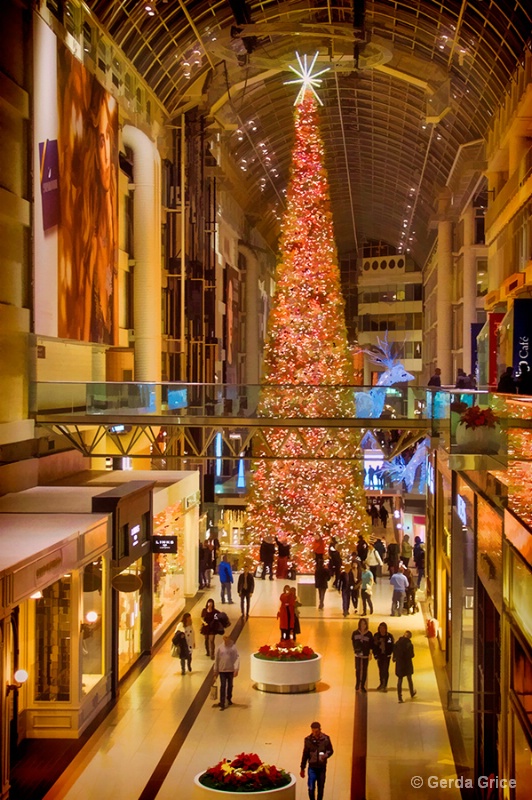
[{"x": 308, "y": 480}]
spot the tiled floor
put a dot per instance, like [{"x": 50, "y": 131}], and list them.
[{"x": 403, "y": 740}]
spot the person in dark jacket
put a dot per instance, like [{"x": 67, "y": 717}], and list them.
[
  {"x": 266, "y": 555},
  {"x": 419, "y": 559},
  {"x": 362, "y": 545},
  {"x": 362, "y": 640},
  {"x": 392, "y": 558},
  {"x": 317, "y": 749},
  {"x": 179, "y": 641},
  {"x": 211, "y": 627},
  {"x": 245, "y": 588},
  {"x": 506, "y": 382},
  {"x": 335, "y": 563},
  {"x": 383, "y": 643},
  {"x": 435, "y": 379},
  {"x": 225, "y": 573},
  {"x": 283, "y": 550},
  {"x": 403, "y": 655},
  {"x": 347, "y": 588},
  {"x": 321, "y": 582},
  {"x": 524, "y": 381}
]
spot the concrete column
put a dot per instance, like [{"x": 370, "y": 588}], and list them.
[
  {"x": 444, "y": 312},
  {"x": 147, "y": 244},
  {"x": 469, "y": 294}
]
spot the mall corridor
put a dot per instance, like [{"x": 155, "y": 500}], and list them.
[{"x": 165, "y": 728}]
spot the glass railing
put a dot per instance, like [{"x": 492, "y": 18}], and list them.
[
  {"x": 442, "y": 408},
  {"x": 231, "y": 401}
]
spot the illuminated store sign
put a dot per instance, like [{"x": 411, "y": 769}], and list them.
[
  {"x": 134, "y": 534},
  {"x": 164, "y": 544}
]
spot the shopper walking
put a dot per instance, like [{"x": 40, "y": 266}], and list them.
[
  {"x": 403, "y": 655},
  {"x": 335, "y": 563},
  {"x": 362, "y": 641},
  {"x": 317, "y": 750},
  {"x": 211, "y": 627},
  {"x": 318, "y": 546},
  {"x": 347, "y": 588},
  {"x": 245, "y": 588},
  {"x": 226, "y": 665},
  {"x": 406, "y": 550},
  {"x": 283, "y": 550},
  {"x": 321, "y": 582},
  {"x": 286, "y": 613},
  {"x": 419, "y": 559},
  {"x": 366, "y": 587},
  {"x": 185, "y": 640},
  {"x": 383, "y": 643},
  {"x": 410, "y": 599},
  {"x": 374, "y": 561},
  {"x": 225, "y": 574},
  {"x": 400, "y": 585},
  {"x": 266, "y": 555}
]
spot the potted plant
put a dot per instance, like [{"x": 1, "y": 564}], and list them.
[
  {"x": 243, "y": 776},
  {"x": 286, "y": 651},
  {"x": 478, "y": 431},
  {"x": 286, "y": 667}
]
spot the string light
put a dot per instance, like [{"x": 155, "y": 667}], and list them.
[{"x": 309, "y": 486}]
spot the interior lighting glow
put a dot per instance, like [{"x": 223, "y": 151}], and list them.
[{"x": 91, "y": 616}]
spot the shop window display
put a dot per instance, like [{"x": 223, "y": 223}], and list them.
[
  {"x": 53, "y": 636},
  {"x": 129, "y": 619},
  {"x": 92, "y": 625},
  {"x": 168, "y": 568}
]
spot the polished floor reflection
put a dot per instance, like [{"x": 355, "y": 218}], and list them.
[{"x": 161, "y": 733}]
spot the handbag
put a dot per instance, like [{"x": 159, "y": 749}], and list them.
[
  {"x": 214, "y": 692},
  {"x": 174, "y": 652},
  {"x": 259, "y": 570}
]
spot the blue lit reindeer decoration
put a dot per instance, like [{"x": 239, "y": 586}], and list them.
[{"x": 370, "y": 404}]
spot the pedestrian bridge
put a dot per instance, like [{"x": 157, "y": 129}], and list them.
[{"x": 121, "y": 419}]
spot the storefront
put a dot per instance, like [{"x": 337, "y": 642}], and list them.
[
  {"x": 174, "y": 543},
  {"x": 54, "y": 619},
  {"x": 131, "y": 573}
]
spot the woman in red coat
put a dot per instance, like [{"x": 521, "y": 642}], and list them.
[{"x": 286, "y": 613}]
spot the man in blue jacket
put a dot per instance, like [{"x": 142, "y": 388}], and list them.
[{"x": 225, "y": 573}]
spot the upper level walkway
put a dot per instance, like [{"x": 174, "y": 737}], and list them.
[{"x": 114, "y": 418}]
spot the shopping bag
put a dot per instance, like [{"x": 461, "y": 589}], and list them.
[
  {"x": 174, "y": 651},
  {"x": 214, "y": 692},
  {"x": 259, "y": 570}
]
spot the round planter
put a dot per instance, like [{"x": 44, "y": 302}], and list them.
[
  {"x": 204, "y": 793},
  {"x": 285, "y": 677},
  {"x": 478, "y": 440}
]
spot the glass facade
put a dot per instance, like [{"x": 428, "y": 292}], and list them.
[
  {"x": 93, "y": 625},
  {"x": 129, "y": 620},
  {"x": 53, "y": 636}
]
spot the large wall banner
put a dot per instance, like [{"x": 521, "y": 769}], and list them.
[{"x": 77, "y": 222}]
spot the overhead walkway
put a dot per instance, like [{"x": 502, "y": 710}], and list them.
[{"x": 123, "y": 419}]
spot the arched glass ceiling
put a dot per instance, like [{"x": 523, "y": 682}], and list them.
[{"x": 431, "y": 76}]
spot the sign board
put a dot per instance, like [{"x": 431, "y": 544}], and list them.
[{"x": 164, "y": 544}]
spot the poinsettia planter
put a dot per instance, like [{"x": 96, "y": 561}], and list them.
[
  {"x": 285, "y": 677},
  {"x": 482, "y": 439},
  {"x": 201, "y": 792}
]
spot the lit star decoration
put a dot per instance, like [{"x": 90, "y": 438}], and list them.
[
  {"x": 305, "y": 77},
  {"x": 307, "y": 480}
]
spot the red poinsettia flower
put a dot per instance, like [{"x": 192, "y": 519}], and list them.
[
  {"x": 476, "y": 417},
  {"x": 246, "y": 772}
]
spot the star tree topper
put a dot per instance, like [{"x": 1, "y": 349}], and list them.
[{"x": 307, "y": 78}]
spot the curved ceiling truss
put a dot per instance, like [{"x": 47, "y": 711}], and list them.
[{"x": 411, "y": 85}]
